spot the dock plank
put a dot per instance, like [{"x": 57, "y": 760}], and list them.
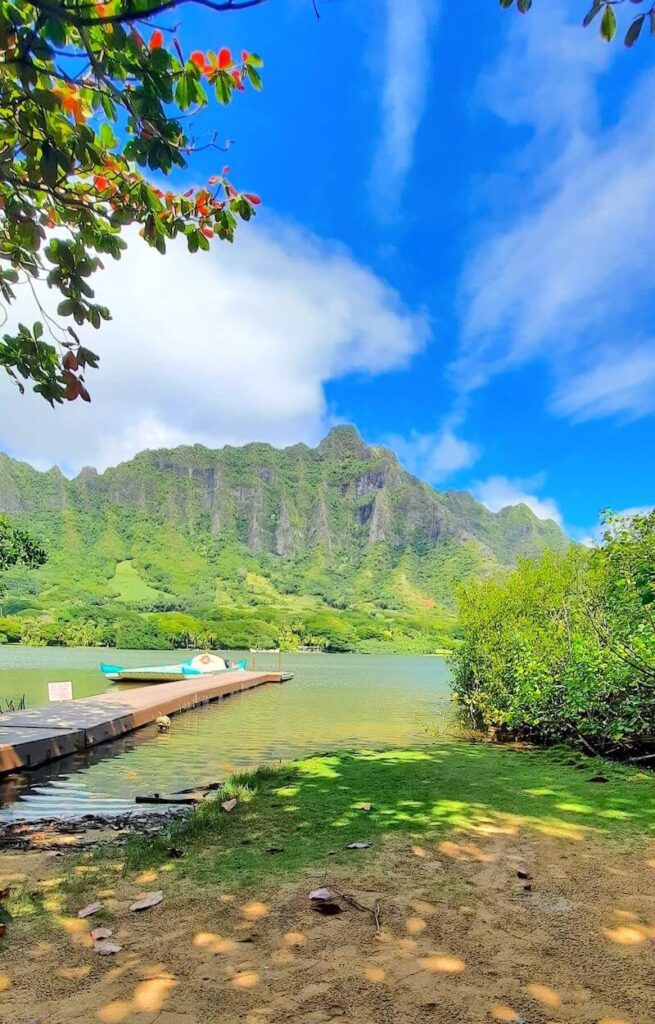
[{"x": 31, "y": 738}]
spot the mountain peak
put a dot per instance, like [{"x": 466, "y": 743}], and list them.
[{"x": 344, "y": 440}]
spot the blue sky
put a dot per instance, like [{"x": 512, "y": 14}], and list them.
[{"x": 454, "y": 252}]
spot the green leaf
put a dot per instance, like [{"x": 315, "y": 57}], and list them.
[
  {"x": 608, "y": 24},
  {"x": 592, "y": 12},
  {"x": 633, "y": 33}
]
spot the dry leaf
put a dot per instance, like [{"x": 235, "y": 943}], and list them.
[
  {"x": 92, "y": 908},
  {"x": 101, "y": 933},
  {"x": 320, "y": 895},
  {"x": 106, "y": 948},
  {"x": 3, "y": 930},
  {"x": 229, "y": 805},
  {"x": 366, "y": 808},
  {"x": 151, "y": 900}
]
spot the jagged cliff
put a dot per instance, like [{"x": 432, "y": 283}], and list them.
[{"x": 343, "y": 523}]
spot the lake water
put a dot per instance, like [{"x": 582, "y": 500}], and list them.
[{"x": 334, "y": 702}]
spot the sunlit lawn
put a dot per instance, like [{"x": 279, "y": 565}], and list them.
[{"x": 312, "y": 809}]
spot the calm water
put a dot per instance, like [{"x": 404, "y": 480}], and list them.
[{"x": 334, "y": 702}]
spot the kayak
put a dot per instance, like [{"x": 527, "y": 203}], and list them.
[{"x": 202, "y": 664}]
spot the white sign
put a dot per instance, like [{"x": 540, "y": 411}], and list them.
[{"x": 60, "y": 691}]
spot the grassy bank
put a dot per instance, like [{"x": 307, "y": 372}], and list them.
[{"x": 312, "y": 809}]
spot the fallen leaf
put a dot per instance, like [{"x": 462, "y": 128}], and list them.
[
  {"x": 151, "y": 900},
  {"x": 92, "y": 908},
  {"x": 101, "y": 933},
  {"x": 3, "y": 930},
  {"x": 275, "y": 849},
  {"x": 106, "y": 948},
  {"x": 366, "y": 808},
  {"x": 358, "y": 846},
  {"x": 320, "y": 895},
  {"x": 229, "y": 805}
]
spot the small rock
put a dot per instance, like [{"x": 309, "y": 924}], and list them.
[
  {"x": 321, "y": 895},
  {"x": 275, "y": 849},
  {"x": 92, "y": 908},
  {"x": 3, "y": 930},
  {"x": 598, "y": 778},
  {"x": 366, "y": 808},
  {"x": 358, "y": 846},
  {"x": 174, "y": 852},
  {"x": 229, "y": 805},
  {"x": 4, "y": 893},
  {"x": 523, "y": 874},
  {"x": 151, "y": 900},
  {"x": 106, "y": 948},
  {"x": 101, "y": 933}
]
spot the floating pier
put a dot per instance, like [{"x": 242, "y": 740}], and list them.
[{"x": 38, "y": 735}]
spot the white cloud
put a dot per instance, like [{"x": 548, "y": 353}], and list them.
[
  {"x": 498, "y": 492},
  {"x": 404, "y": 91},
  {"x": 226, "y": 347},
  {"x": 619, "y": 383},
  {"x": 436, "y": 456},
  {"x": 566, "y": 271}
]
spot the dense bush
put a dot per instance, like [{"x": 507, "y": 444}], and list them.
[{"x": 563, "y": 648}]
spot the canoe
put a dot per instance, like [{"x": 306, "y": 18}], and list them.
[{"x": 202, "y": 664}]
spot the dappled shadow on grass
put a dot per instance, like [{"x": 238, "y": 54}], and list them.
[{"x": 313, "y": 808}]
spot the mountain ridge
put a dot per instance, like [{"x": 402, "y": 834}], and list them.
[{"x": 342, "y": 527}]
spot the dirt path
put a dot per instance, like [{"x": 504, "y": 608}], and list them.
[{"x": 462, "y": 940}]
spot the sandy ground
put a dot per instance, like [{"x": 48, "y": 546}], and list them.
[{"x": 462, "y": 940}]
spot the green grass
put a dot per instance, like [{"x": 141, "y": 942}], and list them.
[
  {"x": 312, "y": 808},
  {"x": 130, "y": 587}
]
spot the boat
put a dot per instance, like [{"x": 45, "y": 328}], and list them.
[{"x": 203, "y": 664}]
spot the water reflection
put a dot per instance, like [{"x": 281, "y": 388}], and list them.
[{"x": 334, "y": 702}]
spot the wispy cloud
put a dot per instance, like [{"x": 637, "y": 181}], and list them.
[
  {"x": 565, "y": 274},
  {"x": 404, "y": 90},
  {"x": 231, "y": 346},
  {"x": 437, "y": 456},
  {"x": 500, "y": 491}
]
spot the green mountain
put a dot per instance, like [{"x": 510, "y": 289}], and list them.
[{"x": 247, "y": 546}]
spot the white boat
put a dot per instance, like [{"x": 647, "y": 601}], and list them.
[{"x": 203, "y": 664}]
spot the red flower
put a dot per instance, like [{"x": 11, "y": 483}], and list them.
[
  {"x": 100, "y": 182},
  {"x": 252, "y": 198},
  {"x": 156, "y": 39},
  {"x": 225, "y": 59},
  {"x": 226, "y": 170},
  {"x": 207, "y": 232},
  {"x": 199, "y": 59}
]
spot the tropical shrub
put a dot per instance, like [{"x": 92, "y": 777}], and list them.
[{"x": 563, "y": 648}]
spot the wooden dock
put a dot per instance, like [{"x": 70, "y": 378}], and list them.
[{"x": 38, "y": 735}]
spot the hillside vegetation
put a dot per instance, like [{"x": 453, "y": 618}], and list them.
[{"x": 253, "y": 546}]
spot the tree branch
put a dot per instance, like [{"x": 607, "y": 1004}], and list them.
[{"x": 53, "y": 9}]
